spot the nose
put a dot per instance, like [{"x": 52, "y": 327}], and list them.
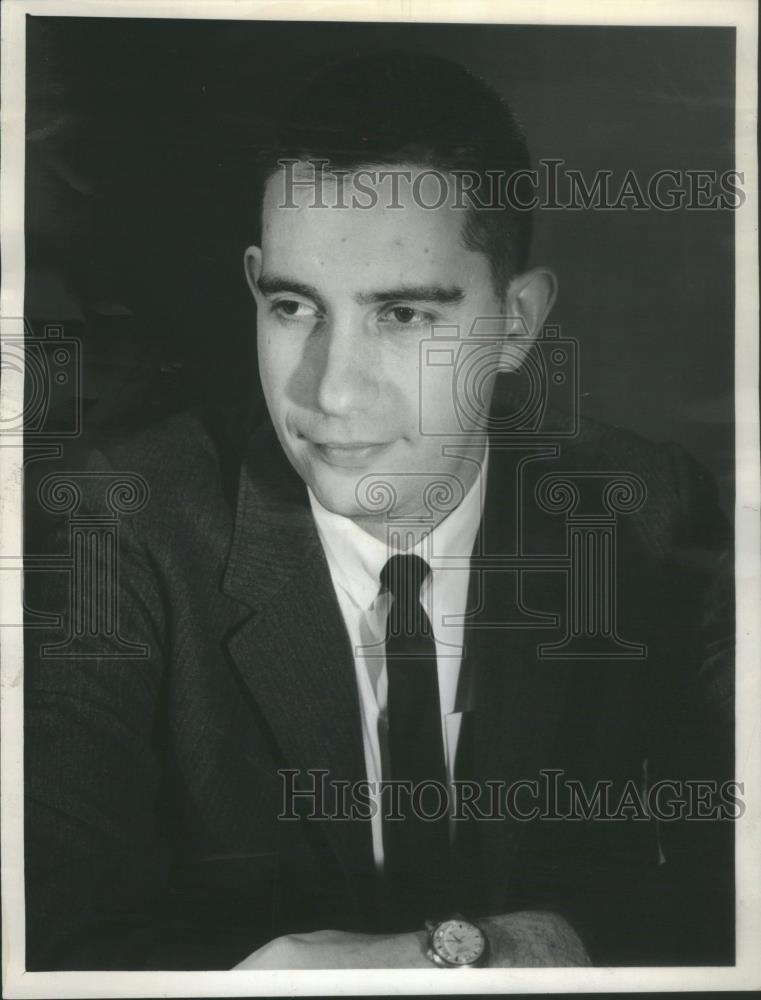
[{"x": 347, "y": 379}]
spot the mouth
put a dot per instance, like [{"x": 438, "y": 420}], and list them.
[{"x": 352, "y": 455}]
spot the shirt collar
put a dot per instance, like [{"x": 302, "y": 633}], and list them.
[{"x": 356, "y": 558}]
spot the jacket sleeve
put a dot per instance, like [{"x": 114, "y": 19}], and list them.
[
  {"x": 682, "y": 911},
  {"x": 692, "y": 738},
  {"x": 97, "y": 860}
]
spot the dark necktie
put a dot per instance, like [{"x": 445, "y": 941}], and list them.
[{"x": 416, "y": 848}]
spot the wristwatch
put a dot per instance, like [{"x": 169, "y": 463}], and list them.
[{"x": 456, "y": 943}]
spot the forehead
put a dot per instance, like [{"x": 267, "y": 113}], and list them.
[{"x": 365, "y": 223}]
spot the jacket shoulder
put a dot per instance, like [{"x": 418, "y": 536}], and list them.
[
  {"x": 186, "y": 469},
  {"x": 681, "y": 502}
]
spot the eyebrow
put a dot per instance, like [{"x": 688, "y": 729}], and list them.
[
  {"x": 413, "y": 293},
  {"x": 270, "y": 284}
]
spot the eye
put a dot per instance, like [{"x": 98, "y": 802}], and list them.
[
  {"x": 405, "y": 316},
  {"x": 292, "y": 309}
]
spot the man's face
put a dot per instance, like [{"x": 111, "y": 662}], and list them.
[{"x": 345, "y": 296}]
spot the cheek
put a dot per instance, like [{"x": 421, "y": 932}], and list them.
[
  {"x": 439, "y": 398},
  {"x": 275, "y": 361},
  {"x": 399, "y": 380}
]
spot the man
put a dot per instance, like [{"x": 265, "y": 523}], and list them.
[{"x": 377, "y": 588}]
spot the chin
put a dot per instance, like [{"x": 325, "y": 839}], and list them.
[{"x": 339, "y": 497}]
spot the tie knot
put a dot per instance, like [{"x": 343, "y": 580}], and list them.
[{"x": 403, "y": 576}]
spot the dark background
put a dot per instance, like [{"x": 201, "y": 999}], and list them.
[{"x": 138, "y": 203}]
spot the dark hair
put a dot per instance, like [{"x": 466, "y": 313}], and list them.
[{"x": 415, "y": 108}]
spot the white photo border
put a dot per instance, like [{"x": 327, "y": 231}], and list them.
[{"x": 746, "y": 974}]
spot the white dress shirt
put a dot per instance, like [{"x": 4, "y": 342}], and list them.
[{"x": 355, "y": 559}]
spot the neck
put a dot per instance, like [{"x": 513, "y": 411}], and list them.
[
  {"x": 403, "y": 528},
  {"x": 402, "y": 534}
]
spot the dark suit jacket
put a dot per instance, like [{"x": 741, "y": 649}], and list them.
[{"x": 152, "y": 786}]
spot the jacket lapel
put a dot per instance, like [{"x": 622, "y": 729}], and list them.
[
  {"x": 291, "y": 647},
  {"x": 292, "y": 651}
]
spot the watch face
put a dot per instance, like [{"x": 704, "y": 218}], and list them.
[{"x": 458, "y": 942}]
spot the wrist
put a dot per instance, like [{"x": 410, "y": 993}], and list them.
[
  {"x": 533, "y": 938},
  {"x": 405, "y": 951}
]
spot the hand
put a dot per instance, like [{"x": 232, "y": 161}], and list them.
[
  {"x": 531, "y": 939},
  {"x": 341, "y": 950}
]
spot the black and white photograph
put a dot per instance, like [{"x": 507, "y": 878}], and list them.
[{"x": 379, "y": 568}]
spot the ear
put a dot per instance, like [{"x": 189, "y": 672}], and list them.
[
  {"x": 252, "y": 264},
  {"x": 529, "y": 298}
]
